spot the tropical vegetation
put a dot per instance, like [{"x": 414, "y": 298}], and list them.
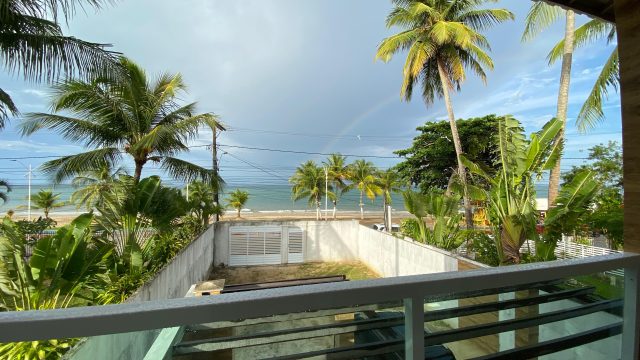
[
  {"x": 46, "y": 201},
  {"x": 338, "y": 173},
  {"x": 4, "y": 189},
  {"x": 33, "y": 46},
  {"x": 510, "y": 196},
  {"x": 237, "y": 200},
  {"x": 129, "y": 116},
  {"x": 92, "y": 184},
  {"x": 362, "y": 175},
  {"x": 442, "y": 211},
  {"x": 309, "y": 181},
  {"x": 443, "y": 39},
  {"x": 428, "y": 162},
  {"x": 541, "y": 16}
]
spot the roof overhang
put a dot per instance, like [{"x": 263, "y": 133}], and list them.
[{"x": 602, "y": 9}]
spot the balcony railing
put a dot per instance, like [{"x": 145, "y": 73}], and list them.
[{"x": 405, "y": 300}]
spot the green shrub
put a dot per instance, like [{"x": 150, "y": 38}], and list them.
[
  {"x": 409, "y": 227},
  {"x": 484, "y": 248}
]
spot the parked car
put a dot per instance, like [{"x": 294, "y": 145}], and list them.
[{"x": 381, "y": 227}]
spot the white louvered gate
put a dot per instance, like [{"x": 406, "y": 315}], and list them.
[
  {"x": 265, "y": 245},
  {"x": 294, "y": 245}
]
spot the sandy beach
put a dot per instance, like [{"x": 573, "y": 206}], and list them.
[{"x": 370, "y": 218}]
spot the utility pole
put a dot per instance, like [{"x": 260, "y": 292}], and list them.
[{"x": 214, "y": 149}]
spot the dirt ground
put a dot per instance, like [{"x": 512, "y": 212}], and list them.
[{"x": 253, "y": 274}]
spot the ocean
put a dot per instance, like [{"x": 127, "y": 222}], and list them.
[{"x": 261, "y": 198}]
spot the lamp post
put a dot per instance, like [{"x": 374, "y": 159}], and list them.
[
  {"x": 326, "y": 192},
  {"x": 29, "y": 173}
]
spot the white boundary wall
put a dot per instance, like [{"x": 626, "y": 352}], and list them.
[{"x": 349, "y": 241}]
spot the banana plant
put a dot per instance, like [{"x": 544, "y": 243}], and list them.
[
  {"x": 61, "y": 271},
  {"x": 510, "y": 195}
]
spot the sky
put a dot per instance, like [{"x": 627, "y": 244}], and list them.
[{"x": 300, "y": 75}]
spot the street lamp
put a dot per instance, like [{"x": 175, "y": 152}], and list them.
[
  {"x": 326, "y": 192},
  {"x": 29, "y": 174}
]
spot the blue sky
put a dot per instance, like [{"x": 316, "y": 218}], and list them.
[{"x": 304, "y": 71}]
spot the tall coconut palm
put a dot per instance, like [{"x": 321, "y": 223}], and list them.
[
  {"x": 338, "y": 171},
  {"x": 362, "y": 175},
  {"x": 443, "y": 40},
  {"x": 46, "y": 201},
  {"x": 94, "y": 184},
  {"x": 541, "y": 16},
  {"x": 32, "y": 45},
  {"x": 591, "y": 112},
  {"x": 237, "y": 200},
  {"x": 131, "y": 116},
  {"x": 390, "y": 182},
  {"x": 3, "y": 193},
  {"x": 309, "y": 182}
]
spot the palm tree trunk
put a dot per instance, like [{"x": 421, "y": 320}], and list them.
[
  {"x": 446, "y": 86},
  {"x": 361, "y": 207},
  {"x": 238, "y": 209},
  {"x": 563, "y": 100},
  {"x": 138, "y": 171}
]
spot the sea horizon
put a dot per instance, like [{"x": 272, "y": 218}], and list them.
[{"x": 262, "y": 198}]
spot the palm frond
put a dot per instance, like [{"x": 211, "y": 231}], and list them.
[
  {"x": 46, "y": 54},
  {"x": 72, "y": 129},
  {"x": 484, "y": 19},
  {"x": 67, "y": 166},
  {"x": 183, "y": 170},
  {"x": 591, "y": 112},
  {"x": 6, "y": 107},
  {"x": 541, "y": 15},
  {"x": 587, "y": 33}
]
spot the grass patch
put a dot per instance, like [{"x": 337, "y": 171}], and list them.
[{"x": 254, "y": 274}]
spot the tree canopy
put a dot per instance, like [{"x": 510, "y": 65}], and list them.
[{"x": 431, "y": 160}]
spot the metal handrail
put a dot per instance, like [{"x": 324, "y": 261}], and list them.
[{"x": 109, "y": 319}]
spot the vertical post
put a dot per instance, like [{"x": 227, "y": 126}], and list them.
[
  {"x": 29, "y": 199},
  {"x": 414, "y": 328},
  {"x": 214, "y": 150},
  {"x": 631, "y": 315},
  {"x": 326, "y": 192}
]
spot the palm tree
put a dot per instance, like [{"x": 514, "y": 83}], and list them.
[
  {"x": 7, "y": 189},
  {"x": 237, "y": 199},
  {"x": 390, "y": 182},
  {"x": 309, "y": 182},
  {"x": 443, "y": 39},
  {"x": 541, "y": 16},
  {"x": 362, "y": 176},
  {"x": 131, "y": 116},
  {"x": 338, "y": 174},
  {"x": 94, "y": 184},
  {"x": 46, "y": 200},
  {"x": 32, "y": 45},
  {"x": 201, "y": 201},
  {"x": 591, "y": 112}
]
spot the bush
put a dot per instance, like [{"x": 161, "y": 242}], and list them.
[
  {"x": 409, "y": 227},
  {"x": 32, "y": 229},
  {"x": 484, "y": 248}
]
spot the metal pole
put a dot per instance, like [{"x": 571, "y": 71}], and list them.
[
  {"x": 214, "y": 148},
  {"x": 326, "y": 192},
  {"x": 29, "y": 199},
  {"x": 187, "y": 191}
]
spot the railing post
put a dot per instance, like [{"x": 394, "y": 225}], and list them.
[
  {"x": 414, "y": 328},
  {"x": 631, "y": 315}
]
